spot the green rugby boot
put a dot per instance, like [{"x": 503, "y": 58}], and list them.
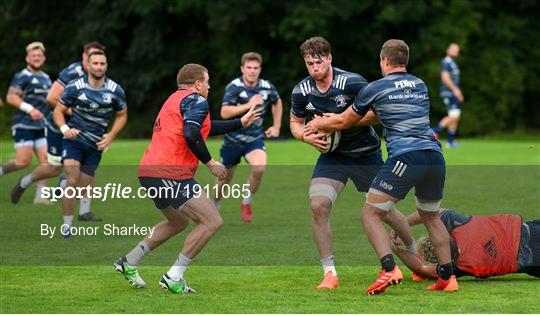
[
  {"x": 175, "y": 287},
  {"x": 130, "y": 273}
]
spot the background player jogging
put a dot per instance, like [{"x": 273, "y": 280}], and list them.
[{"x": 240, "y": 95}]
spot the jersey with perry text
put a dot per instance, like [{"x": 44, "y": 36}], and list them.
[
  {"x": 92, "y": 108},
  {"x": 35, "y": 86},
  {"x": 237, "y": 93},
  {"x": 448, "y": 64},
  {"x": 72, "y": 72},
  {"x": 307, "y": 101},
  {"x": 401, "y": 103}
]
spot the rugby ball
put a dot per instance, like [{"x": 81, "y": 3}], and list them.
[{"x": 333, "y": 138}]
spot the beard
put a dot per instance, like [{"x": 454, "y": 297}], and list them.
[
  {"x": 97, "y": 77},
  {"x": 34, "y": 68}
]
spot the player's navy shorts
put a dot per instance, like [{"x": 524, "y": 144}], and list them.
[
  {"x": 424, "y": 170},
  {"x": 170, "y": 193},
  {"x": 451, "y": 102},
  {"x": 231, "y": 153},
  {"x": 530, "y": 242},
  {"x": 361, "y": 170},
  {"x": 29, "y": 137},
  {"x": 54, "y": 141},
  {"x": 88, "y": 156}
]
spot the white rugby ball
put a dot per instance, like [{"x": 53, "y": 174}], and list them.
[{"x": 333, "y": 138}]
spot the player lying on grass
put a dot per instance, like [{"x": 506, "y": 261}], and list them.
[
  {"x": 170, "y": 161},
  {"x": 481, "y": 246}
]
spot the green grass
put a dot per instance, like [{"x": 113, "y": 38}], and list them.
[{"x": 269, "y": 266}]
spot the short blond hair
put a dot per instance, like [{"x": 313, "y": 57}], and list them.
[
  {"x": 251, "y": 56},
  {"x": 35, "y": 45},
  {"x": 427, "y": 250}
]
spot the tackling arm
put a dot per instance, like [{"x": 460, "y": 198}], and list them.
[
  {"x": 416, "y": 265},
  {"x": 368, "y": 120},
  {"x": 332, "y": 122}
]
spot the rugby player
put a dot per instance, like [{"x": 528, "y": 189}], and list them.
[
  {"x": 451, "y": 95},
  {"x": 27, "y": 93},
  {"x": 54, "y": 167},
  {"x": 482, "y": 246},
  {"x": 92, "y": 100},
  {"x": 401, "y": 103},
  {"x": 240, "y": 95},
  {"x": 170, "y": 161},
  {"x": 328, "y": 89}
]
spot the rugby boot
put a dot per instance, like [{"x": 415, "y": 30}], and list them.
[
  {"x": 384, "y": 280},
  {"x": 450, "y": 285},
  {"x": 246, "y": 213},
  {"x": 329, "y": 282},
  {"x": 130, "y": 273}
]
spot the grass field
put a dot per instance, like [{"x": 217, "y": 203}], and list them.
[{"x": 269, "y": 266}]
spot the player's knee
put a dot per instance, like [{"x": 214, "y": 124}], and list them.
[
  {"x": 55, "y": 170},
  {"x": 371, "y": 212},
  {"x": 320, "y": 208},
  {"x": 215, "y": 223},
  {"x": 179, "y": 225},
  {"x": 23, "y": 161},
  {"x": 73, "y": 179},
  {"x": 257, "y": 172}
]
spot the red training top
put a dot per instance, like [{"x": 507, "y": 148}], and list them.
[
  {"x": 489, "y": 245},
  {"x": 168, "y": 155}
]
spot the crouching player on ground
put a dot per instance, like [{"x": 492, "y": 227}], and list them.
[
  {"x": 177, "y": 146},
  {"x": 481, "y": 246}
]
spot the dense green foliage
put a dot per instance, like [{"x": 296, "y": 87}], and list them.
[{"x": 147, "y": 41}]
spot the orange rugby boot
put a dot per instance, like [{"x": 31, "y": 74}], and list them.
[
  {"x": 384, "y": 280},
  {"x": 329, "y": 282},
  {"x": 245, "y": 212},
  {"x": 449, "y": 285}
]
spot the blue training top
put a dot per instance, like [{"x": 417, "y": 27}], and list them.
[
  {"x": 92, "y": 108},
  {"x": 401, "y": 103},
  {"x": 35, "y": 87}
]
